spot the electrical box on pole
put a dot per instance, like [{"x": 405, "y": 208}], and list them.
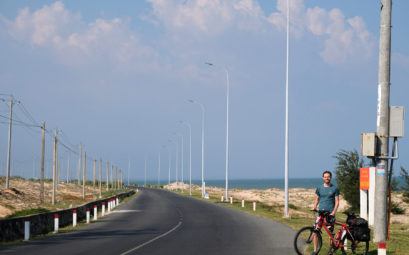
[
  {"x": 396, "y": 121},
  {"x": 368, "y": 145}
]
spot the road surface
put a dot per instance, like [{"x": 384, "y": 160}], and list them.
[{"x": 161, "y": 222}]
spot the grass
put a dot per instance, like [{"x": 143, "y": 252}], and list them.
[
  {"x": 26, "y": 212},
  {"x": 397, "y": 245}
]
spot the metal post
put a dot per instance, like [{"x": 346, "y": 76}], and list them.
[
  {"x": 9, "y": 144},
  {"x": 42, "y": 165},
  {"x": 129, "y": 168},
  {"x": 286, "y": 215},
  {"x": 382, "y": 131}
]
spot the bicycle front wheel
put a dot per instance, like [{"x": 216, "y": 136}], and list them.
[
  {"x": 349, "y": 247},
  {"x": 308, "y": 241}
]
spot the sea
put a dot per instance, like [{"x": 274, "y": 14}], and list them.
[{"x": 260, "y": 184}]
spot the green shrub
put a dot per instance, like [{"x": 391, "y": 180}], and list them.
[
  {"x": 347, "y": 173},
  {"x": 397, "y": 209}
]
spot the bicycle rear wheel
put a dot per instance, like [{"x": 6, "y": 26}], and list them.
[
  {"x": 349, "y": 247},
  {"x": 305, "y": 240}
]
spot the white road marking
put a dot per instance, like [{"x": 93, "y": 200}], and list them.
[
  {"x": 154, "y": 239},
  {"x": 125, "y": 211}
]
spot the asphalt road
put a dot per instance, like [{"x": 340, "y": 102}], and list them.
[{"x": 161, "y": 222}]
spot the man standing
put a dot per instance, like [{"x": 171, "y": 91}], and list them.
[
  {"x": 327, "y": 195},
  {"x": 328, "y": 200}
]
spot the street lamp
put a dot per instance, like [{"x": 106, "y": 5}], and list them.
[
  {"x": 190, "y": 154},
  {"x": 203, "y": 120},
  {"x": 183, "y": 184},
  {"x": 177, "y": 153},
  {"x": 227, "y": 128}
]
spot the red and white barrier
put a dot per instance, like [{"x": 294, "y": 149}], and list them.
[
  {"x": 231, "y": 200},
  {"x": 242, "y": 202},
  {"x": 117, "y": 201},
  {"x": 381, "y": 248},
  {"x": 87, "y": 216},
  {"x": 109, "y": 206},
  {"x": 26, "y": 228},
  {"x": 74, "y": 218},
  {"x": 221, "y": 199},
  {"x": 254, "y": 205},
  {"x": 95, "y": 212},
  {"x": 56, "y": 223},
  {"x": 103, "y": 209}
]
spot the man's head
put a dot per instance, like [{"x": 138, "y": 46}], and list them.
[{"x": 326, "y": 176}]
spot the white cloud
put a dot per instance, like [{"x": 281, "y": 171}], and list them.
[
  {"x": 210, "y": 17},
  {"x": 76, "y": 43},
  {"x": 344, "y": 38}
]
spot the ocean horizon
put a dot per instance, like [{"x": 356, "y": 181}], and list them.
[{"x": 260, "y": 184}]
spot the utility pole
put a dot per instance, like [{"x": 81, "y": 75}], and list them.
[
  {"x": 107, "y": 180},
  {"x": 100, "y": 178},
  {"x": 58, "y": 172},
  {"x": 54, "y": 168},
  {"x": 42, "y": 166},
  {"x": 112, "y": 176},
  {"x": 83, "y": 176},
  {"x": 382, "y": 129},
  {"x": 115, "y": 178},
  {"x": 9, "y": 144},
  {"x": 129, "y": 167},
  {"x": 79, "y": 165},
  {"x": 68, "y": 167},
  {"x": 93, "y": 179}
]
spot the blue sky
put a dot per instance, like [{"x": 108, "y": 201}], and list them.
[{"x": 116, "y": 77}]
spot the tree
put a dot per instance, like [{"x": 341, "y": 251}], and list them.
[
  {"x": 405, "y": 187},
  {"x": 347, "y": 176}
]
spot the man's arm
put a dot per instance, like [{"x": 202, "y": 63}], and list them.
[
  {"x": 336, "y": 206},
  {"x": 316, "y": 203}
]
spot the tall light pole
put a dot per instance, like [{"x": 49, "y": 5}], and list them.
[
  {"x": 169, "y": 164},
  {"x": 286, "y": 215},
  {"x": 190, "y": 154},
  {"x": 177, "y": 156},
  {"x": 183, "y": 162},
  {"x": 144, "y": 184},
  {"x": 203, "y": 120},
  {"x": 227, "y": 128},
  {"x": 159, "y": 168}
]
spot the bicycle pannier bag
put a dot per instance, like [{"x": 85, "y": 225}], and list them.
[{"x": 360, "y": 230}]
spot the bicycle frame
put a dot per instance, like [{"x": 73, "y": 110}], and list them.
[{"x": 344, "y": 227}]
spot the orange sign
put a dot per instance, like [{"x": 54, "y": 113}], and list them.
[{"x": 364, "y": 179}]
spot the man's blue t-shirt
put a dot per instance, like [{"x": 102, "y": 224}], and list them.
[{"x": 327, "y": 197}]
